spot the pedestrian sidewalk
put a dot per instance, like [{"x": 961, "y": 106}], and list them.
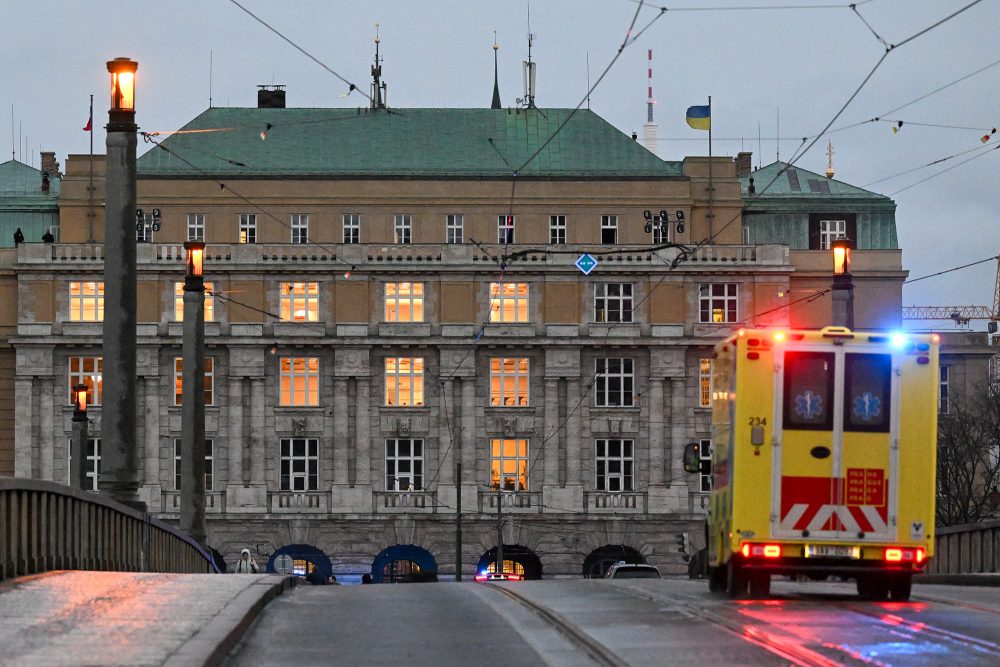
[{"x": 126, "y": 618}]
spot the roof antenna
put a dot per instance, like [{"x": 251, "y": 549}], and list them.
[
  {"x": 649, "y": 129},
  {"x": 211, "y": 55},
  {"x": 496, "y": 83},
  {"x": 378, "y": 86},
  {"x": 588, "y": 79},
  {"x": 529, "y": 70}
]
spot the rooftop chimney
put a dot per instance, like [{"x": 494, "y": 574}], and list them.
[
  {"x": 271, "y": 97},
  {"x": 49, "y": 164},
  {"x": 743, "y": 164}
]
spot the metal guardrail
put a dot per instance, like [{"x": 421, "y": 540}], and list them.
[
  {"x": 48, "y": 526},
  {"x": 967, "y": 549}
]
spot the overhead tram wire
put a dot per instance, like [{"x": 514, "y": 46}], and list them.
[
  {"x": 351, "y": 87},
  {"x": 943, "y": 171},
  {"x": 980, "y": 148}
]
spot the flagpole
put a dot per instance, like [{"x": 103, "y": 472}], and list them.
[
  {"x": 711, "y": 189},
  {"x": 90, "y": 184}
]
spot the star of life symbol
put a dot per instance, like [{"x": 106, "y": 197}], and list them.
[
  {"x": 808, "y": 405},
  {"x": 867, "y": 406}
]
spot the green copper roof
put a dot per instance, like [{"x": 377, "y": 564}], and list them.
[
  {"x": 23, "y": 183},
  {"x": 797, "y": 183},
  {"x": 412, "y": 143}
]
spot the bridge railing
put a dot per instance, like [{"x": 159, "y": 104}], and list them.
[
  {"x": 967, "y": 549},
  {"x": 48, "y": 526}
]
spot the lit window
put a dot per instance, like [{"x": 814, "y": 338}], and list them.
[
  {"x": 299, "y": 302},
  {"x": 943, "y": 392},
  {"x": 557, "y": 229},
  {"x": 196, "y": 227},
  {"x": 505, "y": 229},
  {"x": 209, "y": 464},
  {"x": 614, "y": 382},
  {"x": 248, "y": 228},
  {"x": 299, "y": 464},
  {"x": 705, "y": 454},
  {"x": 404, "y": 464},
  {"x": 404, "y": 381},
  {"x": 179, "y": 302},
  {"x": 86, "y": 370},
  {"x": 609, "y": 229},
  {"x": 352, "y": 228},
  {"x": 704, "y": 383},
  {"x": 209, "y": 381},
  {"x": 86, "y": 302},
  {"x": 613, "y": 302},
  {"x": 509, "y": 381},
  {"x": 455, "y": 228},
  {"x": 509, "y": 464},
  {"x": 508, "y": 302},
  {"x": 300, "y": 228},
  {"x": 509, "y": 566},
  {"x": 614, "y": 465},
  {"x": 717, "y": 303},
  {"x": 403, "y": 227},
  {"x": 299, "y": 381},
  {"x": 92, "y": 464},
  {"x": 404, "y": 302},
  {"x": 830, "y": 231}
]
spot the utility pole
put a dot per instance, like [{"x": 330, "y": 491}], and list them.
[
  {"x": 193, "y": 392},
  {"x": 458, "y": 521},
  {"x": 499, "y": 530},
  {"x": 120, "y": 474}
]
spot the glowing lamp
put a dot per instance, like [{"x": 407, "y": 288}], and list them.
[
  {"x": 122, "y": 83},
  {"x": 841, "y": 257},
  {"x": 195, "y": 258},
  {"x": 779, "y": 336},
  {"x": 80, "y": 397}
]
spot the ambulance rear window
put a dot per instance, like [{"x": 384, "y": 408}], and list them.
[
  {"x": 867, "y": 392},
  {"x": 808, "y": 391}
]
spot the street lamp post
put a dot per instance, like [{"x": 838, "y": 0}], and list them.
[
  {"x": 843, "y": 285},
  {"x": 120, "y": 471},
  {"x": 78, "y": 455},
  {"x": 193, "y": 392}
]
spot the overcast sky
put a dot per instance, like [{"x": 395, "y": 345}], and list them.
[{"x": 437, "y": 53}]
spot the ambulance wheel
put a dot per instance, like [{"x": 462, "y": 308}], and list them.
[
  {"x": 900, "y": 586},
  {"x": 760, "y": 585},
  {"x": 716, "y": 579},
  {"x": 736, "y": 580},
  {"x": 873, "y": 587}
]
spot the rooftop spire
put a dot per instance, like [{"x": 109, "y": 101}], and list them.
[
  {"x": 496, "y": 82},
  {"x": 829, "y": 159},
  {"x": 378, "y": 86}
]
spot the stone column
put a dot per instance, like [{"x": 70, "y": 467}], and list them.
[
  {"x": 257, "y": 431},
  {"x": 23, "y": 436},
  {"x": 446, "y": 424},
  {"x": 470, "y": 467},
  {"x": 678, "y": 430},
  {"x": 235, "y": 427},
  {"x": 573, "y": 445},
  {"x": 341, "y": 416},
  {"x": 362, "y": 431},
  {"x": 551, "y": 432},
  {"x": 656, "y": 429},
  {"x": 46, "y": 428}
]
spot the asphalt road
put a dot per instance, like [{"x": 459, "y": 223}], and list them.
[{"x": 632, "y": 622}]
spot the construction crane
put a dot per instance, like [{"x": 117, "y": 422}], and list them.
[{"x": 962, "y": 315}]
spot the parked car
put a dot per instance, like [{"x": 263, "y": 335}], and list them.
[{"x": 624, "y": 570}]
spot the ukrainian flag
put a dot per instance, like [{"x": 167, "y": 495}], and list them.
[{"x": 700, "y": 118}]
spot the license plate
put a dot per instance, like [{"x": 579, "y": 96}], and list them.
[{"x": 832, "y": 551}]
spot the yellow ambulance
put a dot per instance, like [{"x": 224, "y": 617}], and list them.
[{"x": 823, "y": 461}]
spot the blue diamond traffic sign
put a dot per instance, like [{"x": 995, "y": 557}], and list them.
[{"x": 586, "y": 263}]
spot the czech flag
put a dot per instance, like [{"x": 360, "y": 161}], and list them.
[{"x": 700, "y": 118}]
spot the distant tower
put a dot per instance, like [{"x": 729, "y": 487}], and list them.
[
  {"x": 530, "y": 69},
  {"x": 379, "y": 87},
  {"x": 496, "y": 81},
  {"x": 829, "y": 159},
  {"x": 649, "y": 129}
]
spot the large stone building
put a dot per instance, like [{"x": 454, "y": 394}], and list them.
[{"x": 393, "y": 298}]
